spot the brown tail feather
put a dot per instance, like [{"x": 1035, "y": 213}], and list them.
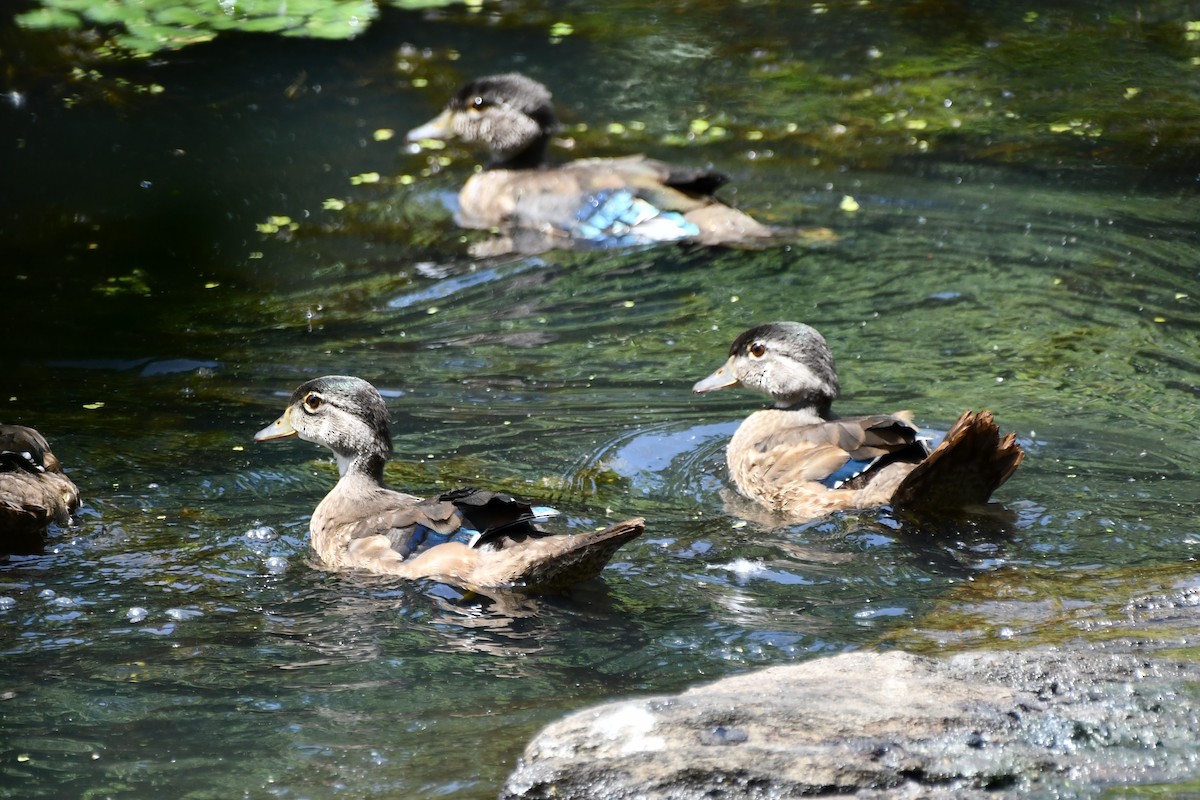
[
  {"x": 574, "y": 559},
  {"x": 970, "y": 463}
]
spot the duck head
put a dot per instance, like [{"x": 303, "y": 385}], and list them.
[
  {"x": 343, "y": 413},
  {"x": 788, "y": 361},
  {"x": 509, "y": 115}
]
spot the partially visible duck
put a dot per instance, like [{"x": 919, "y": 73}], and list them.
[
  {"x": 601, "y": 202},
  {"x": 470, "y": 538},
  {"x": 34, "y": 492},
  {"x": 801, "y": 459}
]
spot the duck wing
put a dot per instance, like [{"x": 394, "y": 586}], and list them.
[
  {"x": 509, "y": 551},
  {"x": 839, "y": 453},
  {"x": 667, "y": 186},
  {"x": 499, "y": 519},
  {"x": 476, "y": 517}
]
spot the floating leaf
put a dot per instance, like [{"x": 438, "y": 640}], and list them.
[
  {"x": 419, "y": 4},
  {"x": 45, "y": 18},
  {"x": 179, "y": 15}
]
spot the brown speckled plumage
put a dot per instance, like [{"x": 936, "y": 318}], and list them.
[
  {"x": 363, "y": 525},
  {"x": 535, "y": 204},
  {"x": 34, "y": 491},
  {"x": 787, "y": 457}
]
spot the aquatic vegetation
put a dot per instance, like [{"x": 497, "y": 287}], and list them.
[
  {"x": 865, "y": 83},
  {"x": 145, "y": 27}
]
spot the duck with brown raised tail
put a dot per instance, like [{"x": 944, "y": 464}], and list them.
[
  {"x": 801, "y": 459},
  {"x": 34, "y": 491},
  {"x": 597, "y": 202},
  {"x": 471, "y": 538}
]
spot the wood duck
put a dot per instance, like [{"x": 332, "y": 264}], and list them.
[
  {"x": 801, "y": 459},
  {"x": 471, "y": 538},
  {"x": 600, "y": 202},
  {"x": 34, "y": 492}
]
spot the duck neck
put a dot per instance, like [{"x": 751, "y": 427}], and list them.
[
  {"x": 819, "y": 405},
  {"x": 531, "y": 157},
  {"x": 361, "y": 465}
]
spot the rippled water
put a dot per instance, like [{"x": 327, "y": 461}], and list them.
[{"x": 178, "y": 643}]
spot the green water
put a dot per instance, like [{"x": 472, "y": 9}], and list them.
[{"x": 177, "y": 642}]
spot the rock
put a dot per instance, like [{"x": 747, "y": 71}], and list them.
[{"x": 886, "y": 724}]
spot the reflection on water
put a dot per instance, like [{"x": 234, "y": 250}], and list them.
[{"x": 177, "y": 641}]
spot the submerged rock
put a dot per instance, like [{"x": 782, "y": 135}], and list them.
[{"x": 888, "y": 724}]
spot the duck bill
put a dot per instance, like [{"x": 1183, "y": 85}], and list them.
[
  {"x": 279, "y": 429},
  {"x": 436, "y": 128},
  {"x": 721, "y": 379}
]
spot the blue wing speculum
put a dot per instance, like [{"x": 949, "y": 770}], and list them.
[{"x": 618, "y": 218}]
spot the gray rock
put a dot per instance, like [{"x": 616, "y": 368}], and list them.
[{"x": 890, "y": 724}]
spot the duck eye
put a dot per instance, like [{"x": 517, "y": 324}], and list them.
[
  {"x": 758, "y": 349},
  {"x": 312, "y": 401},
  {"x": 479, "y": 103}
]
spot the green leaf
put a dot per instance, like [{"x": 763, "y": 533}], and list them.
[
  {"x": 180, "y": 15},
  {"x": 273, "y": 24},
  {"x": 419, "y": 4},
  {"x": 45, "y": 18}
]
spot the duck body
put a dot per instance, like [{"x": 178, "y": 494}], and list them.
[
  {"x": 801, "y": 459},
  {"x": 597, "y": 202},
  {"x": 472, "y": 538},
  {"x": 34, "y": 491}
]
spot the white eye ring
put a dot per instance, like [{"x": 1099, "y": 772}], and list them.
[
  {"x": 758, "y": 350},
  {"x": 312, "y": 402}
]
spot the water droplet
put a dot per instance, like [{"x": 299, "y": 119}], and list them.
[
  {"x": 262, "y": 533},
  {"x": 180, "y": 614}
]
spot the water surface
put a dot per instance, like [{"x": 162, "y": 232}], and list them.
[{"x": 177, "y": 642}]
